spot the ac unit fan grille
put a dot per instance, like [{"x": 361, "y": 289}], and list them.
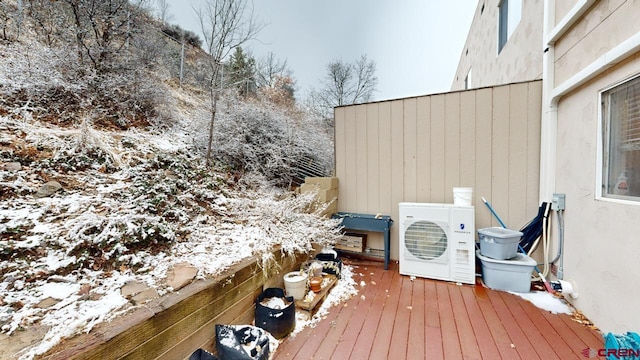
[{"x": 425, "y": 240}]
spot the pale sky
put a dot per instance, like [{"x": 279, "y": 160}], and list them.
[{"x": 416, "y": 44}]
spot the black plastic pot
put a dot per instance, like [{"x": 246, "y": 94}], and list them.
[
  {"x": 241, "y": 342},
  {"x": 201, "y": 354},
  {"x": 330, "y": 264},
  {"x": 278, "y": 322}
]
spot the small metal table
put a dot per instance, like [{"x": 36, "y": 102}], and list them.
[{"x": 369, "y": 222}]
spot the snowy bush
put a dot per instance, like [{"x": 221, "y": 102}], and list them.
[
  {"x": 49, "y": 84},
  {"x": 256, "y": 136}
]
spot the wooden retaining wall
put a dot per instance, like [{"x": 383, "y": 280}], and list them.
[{"x": 174, "y": 326}]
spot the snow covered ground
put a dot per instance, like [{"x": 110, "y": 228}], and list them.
[
  {"x": 546, "y": 301},
  {"x": 131, "y": 205}
]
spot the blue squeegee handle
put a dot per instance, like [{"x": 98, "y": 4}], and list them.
[{"x": 494, "y": 214}]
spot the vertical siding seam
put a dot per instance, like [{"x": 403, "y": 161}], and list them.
[
  {"x": 414, "y": 151},
  {"x": 459, "y": 96}
]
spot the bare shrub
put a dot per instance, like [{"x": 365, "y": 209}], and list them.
[{"x": 256, "y": 136}]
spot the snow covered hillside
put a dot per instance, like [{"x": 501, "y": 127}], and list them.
[
  {"x": 85, "y": 211},
  {"x": 87, "y": 208},
  {"x": 103, "y": 182}
]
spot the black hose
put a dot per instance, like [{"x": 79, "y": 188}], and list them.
[{"x": 533, "y": 229}]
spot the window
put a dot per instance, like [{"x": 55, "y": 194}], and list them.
[
  {"x": 621, "y": 141},
  {"x": 509, "y": 14},
  {"x": 503, "y": 20},
  {"x": 467, "y": 80}
]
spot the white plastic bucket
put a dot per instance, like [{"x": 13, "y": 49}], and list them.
[
  {"x": 295, "y": 283},
  {"x": 462, "y": 196}
]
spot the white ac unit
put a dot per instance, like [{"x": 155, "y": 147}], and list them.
[{"x": 437, "y": 241}]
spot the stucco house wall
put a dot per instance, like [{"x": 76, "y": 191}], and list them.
[
  {"x": 519, "y": 60},
  {"x": 601, "y": 235}
]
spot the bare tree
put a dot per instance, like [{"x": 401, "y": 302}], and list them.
[
  {"x": 225, "y": 24},
  {"x": 270, "y": 69},
  {"x": 50, "y": 19},
  {"x": 103, "y": 28},
  {"x": 365, "y": 80},
  {"x": 344, "y": 84},
  {"x": 10, "y": 19},
  {"x": 162, "y": 10}
]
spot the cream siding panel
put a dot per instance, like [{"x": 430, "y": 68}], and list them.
[
  {"x": 500, "y": 153},
  {"x": 350, "y": 196},
  {"x": 484, "y": 158},
  {"x": 467, "y": 139},
  {"x": 384, "y": 152},
  {"x": 360, "y": 140},
  {"x": 423, "y": 153},
  {"x": 397, "y": 162},
  {"x": 452, "y": 145},
  {"x": 515, "y": 212},
  {"x": 534, "y": 97},
  {"x": 373, "y": 159},
  {"x": 418, "y": 149},
  {"x": 397, "y": 152},
  {"x": 437, "y": 148},
  {"x": 340, "y": 156},
  {"x": 410, "y": 150}
]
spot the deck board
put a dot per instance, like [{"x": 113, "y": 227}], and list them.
[
  {"x": 416, "y": 344},
  {"x": 519, "y": 340},
  {"x": 482, "y": 333},
  {"x": 364, "y": 342},
  {"x": 492, "y": 321},
  {"x": 400, "y": 335},
  {"x": 399, "y": 317},
  {"x": 533, "y": 333},
  {"x": 360, "y": 313},
  {"x": 450, "y": 342},
  {"x": 433, "y": 333},
  {"x": 466, "y": 335},
  {"x": 385, "y": 329}
]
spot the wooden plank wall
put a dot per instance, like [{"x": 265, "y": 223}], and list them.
[
  {"x": 418, "y": 149},
  {"x": 174, "y": 326}
]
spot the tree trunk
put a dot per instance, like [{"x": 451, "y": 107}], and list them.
[{"x": 214, "y": 106}]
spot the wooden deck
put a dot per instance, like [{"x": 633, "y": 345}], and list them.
[{"x": 394, "y": 317}]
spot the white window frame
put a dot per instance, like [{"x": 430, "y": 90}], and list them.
[{"x": 602, "y": 154}]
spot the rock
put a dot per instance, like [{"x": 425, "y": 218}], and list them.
[
  {"x": 12, "y": 166},
  {"x": 171, "y": 174},
  {"x": 47, "y": 303},
  {"x": 138, "y": 292},
  {"x": 21, "y": 341},
  {"x": 133, "y": 288},
  {"x": 144, "y": 296},
  {"x": 85, "y": 289},
  {"x": 181, "y": 275},
  {"x": 48, "y": 189}
]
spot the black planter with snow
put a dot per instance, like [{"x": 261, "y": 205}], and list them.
[
  {"x": 275, "y": 312},
  {"x": 331, "y": 264},
  {"x": 241, "y": 342}
]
